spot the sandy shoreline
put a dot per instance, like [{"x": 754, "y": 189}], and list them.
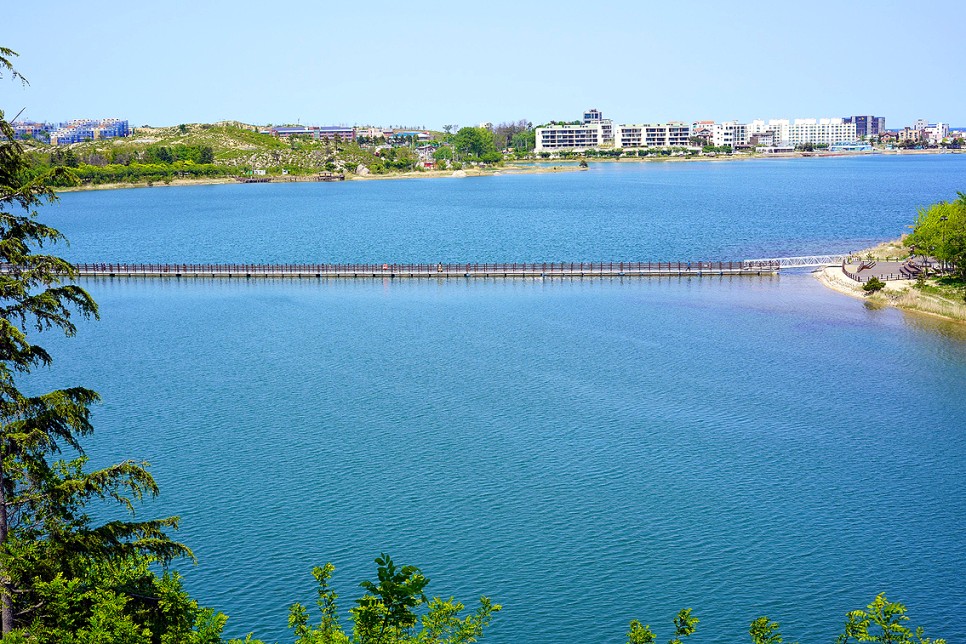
[
  {"x": 900, "y": 294},
  {"x": 428, "y": 174}
]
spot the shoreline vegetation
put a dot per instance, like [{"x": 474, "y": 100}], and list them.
[
  {"x": 553, "y": 168},
  {"x": 932, "y": 296},
  {"x": 532, "y": 166},
  {"x": 229, "y": 151}
]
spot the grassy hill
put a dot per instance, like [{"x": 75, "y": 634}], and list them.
[{"x": 223, "y": 149}]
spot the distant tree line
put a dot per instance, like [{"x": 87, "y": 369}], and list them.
[
  {"x": 203, "y": 154},
  {"x": 154, "y": 163}
]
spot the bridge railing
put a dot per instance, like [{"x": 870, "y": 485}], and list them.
[
  {"x": 796, "y": 262},
  {"x": 475, "y": 269},
  {"x": 547, "y": 268}
]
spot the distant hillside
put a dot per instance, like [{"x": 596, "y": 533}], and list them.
[{"x": 213, "y": 150}]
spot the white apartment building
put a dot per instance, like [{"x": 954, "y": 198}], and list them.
[
  {"x": 653, "y": 135},
  {"x": 799, "y": 131},
  {"x": 730, "y": 133},
  {"x": 830, "y": 130},
  {"x": 593, "y": 116},
  {"x": 569, "y": 137},
  {"x": 776, "y": 129},
  {"x": 936, "y": 132}
]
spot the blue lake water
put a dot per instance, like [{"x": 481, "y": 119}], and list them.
[
  {"x": 630, "y": 211},
  {"x": 584, "y": 452}
]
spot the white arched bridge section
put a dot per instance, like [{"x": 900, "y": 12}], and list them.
[{"x": 807, "y": 261}]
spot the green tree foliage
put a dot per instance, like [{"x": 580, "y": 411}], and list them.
[
  {"x": 940, "y": 231},
  {"x": 476, "y": 144},
  {"x": 684, "y": 626},
  {"x": 396, "y": 158},
  {"x": 640, "y": 634},
  {"x": 328, "y": 631},
  {"x": 388, "y": 606},
  {"x": 505, "y": 134},
  {"x": 173, "y": 154},
  {"x": 120, "y": 600},
  {"x": 525, "y": 140},
  {"x": 386, "y": 613},
  {"x": 882, "y": 621},
  {"x": 51, "y": 551},
  {"x": 765, "y": 631},
  {"x": 873, "y": 285}
]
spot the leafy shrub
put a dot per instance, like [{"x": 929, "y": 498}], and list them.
[{"x": 873, "y": 285}]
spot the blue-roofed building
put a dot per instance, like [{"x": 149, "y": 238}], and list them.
[{"x": 412, "y": 134}]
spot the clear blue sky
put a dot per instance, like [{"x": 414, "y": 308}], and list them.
[{"x": 432, "y": 63}]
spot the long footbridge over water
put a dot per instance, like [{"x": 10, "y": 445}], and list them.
[{"x": 748, "y": 267}]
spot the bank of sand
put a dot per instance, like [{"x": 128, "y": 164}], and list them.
[
  {"x": 901, "y": 294},
  {"x": 543, "y": 168}
]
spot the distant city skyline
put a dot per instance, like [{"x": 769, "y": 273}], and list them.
[{"x": 438, "y": 63}]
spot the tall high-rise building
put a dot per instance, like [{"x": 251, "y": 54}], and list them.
[{"x": 867, "y": 125}]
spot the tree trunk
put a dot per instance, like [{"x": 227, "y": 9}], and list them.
[{"x": 6, "y": 596}]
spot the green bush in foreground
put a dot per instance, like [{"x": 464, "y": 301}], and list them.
[
  {"x": 385, "y": 614},
  {"x": 881, "y": 621},
  {"x": 873, "y": 285}
]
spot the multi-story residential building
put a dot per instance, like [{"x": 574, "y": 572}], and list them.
[
  {"x": 315, "y": 131},
  {"x": 936, "y": 133},
  {"x": 284, "y": 132},
  {"x": 777, "y": 129},
  {"x": 31, "y": 130},
  {"x": 925, "y": 132},
  {"x": 594, "y": 116},
  {"x": 866, "y": 126},
  {"x": 818, "y": 131},
  {"x": 730, "y": 133},
  {"x": 333, "y": 131},
  {"x": 80, "y": 130},
  {"x": 764, "y": 139},
  {"x": 703, "y": 130},
  {"x": 569, "y": 137},
  {"x": 372, "y": 133},
  {"x": 800, "y": 131},
  {"x": 653, "y": 135},
  {"x": 911, "y": 134}
]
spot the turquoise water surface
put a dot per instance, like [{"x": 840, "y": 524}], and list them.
[{"x": 585, "y": 452}]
